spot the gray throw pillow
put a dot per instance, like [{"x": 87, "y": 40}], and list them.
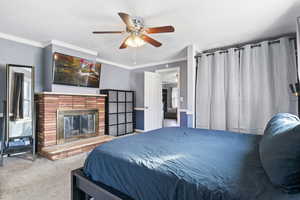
[{"x": 280, "y": 152}]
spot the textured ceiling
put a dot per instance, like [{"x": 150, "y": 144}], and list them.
[{"x": 206, "y": 23}]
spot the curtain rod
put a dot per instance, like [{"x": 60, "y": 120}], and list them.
[
  {"x": 242, "y": 48},
  {"x": 239, "y": 46}
]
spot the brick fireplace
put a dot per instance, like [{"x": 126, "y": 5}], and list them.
[{"x": 68, "y": 124}]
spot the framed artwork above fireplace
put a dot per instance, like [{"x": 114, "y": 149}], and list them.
[{"x": 75, "y": 71}]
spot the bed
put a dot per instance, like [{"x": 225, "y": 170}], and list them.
[{"x": 177, "y": 163}]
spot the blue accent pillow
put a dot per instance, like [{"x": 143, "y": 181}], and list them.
[{"x": 280, "y": 152}]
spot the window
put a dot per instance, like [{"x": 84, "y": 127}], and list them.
[
  {"x": 175, "y": 97},
  {"x": 27, "y": 98}
]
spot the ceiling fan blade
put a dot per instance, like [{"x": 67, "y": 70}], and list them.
[
  {"x": 126, "y": 19},
  {"x": 124, "y": 45},
  {"x": 161, "y": 29},
  {"x": 150, "y": 40},
  {"x": 106, "y": 32}
]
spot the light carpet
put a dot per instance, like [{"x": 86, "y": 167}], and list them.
[{"x": 22, "y": 179}]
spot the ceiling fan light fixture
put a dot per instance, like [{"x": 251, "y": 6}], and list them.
[
  {"x": 138, "y": 33},
  {"x": 135, "y": 41}
]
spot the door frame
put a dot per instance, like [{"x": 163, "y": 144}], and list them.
[{"x": 178, "y": 86}]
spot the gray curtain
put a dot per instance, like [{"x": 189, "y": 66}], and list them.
[{"x": 241, "y": 90}]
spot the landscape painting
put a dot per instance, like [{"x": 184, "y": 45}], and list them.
[{"x": 70, "y": 70}]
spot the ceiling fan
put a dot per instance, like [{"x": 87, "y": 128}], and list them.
[{"x": 138, "y": 32}]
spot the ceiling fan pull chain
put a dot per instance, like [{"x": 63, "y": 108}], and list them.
[{"x": 134, "y": 56}]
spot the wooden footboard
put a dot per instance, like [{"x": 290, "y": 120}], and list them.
[{"x": 83, "y": 188}]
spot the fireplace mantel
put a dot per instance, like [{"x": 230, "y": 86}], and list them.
[
  {"x": 48, "y": 105},
  {"x": 70, "y": 94}
]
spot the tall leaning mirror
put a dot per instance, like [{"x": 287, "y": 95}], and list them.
[{"x": 20, "y": 125}]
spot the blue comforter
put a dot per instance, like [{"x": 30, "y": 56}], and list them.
[{"x": 184, "y": 164}]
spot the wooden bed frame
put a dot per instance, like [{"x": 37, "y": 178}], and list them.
[{"x": 83, "y": 188}]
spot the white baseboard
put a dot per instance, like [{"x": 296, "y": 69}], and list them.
[
  {"x": 139, "y": 130},
  {"x": 139, "y": 108},
  {"x": 182, "y": 110}
]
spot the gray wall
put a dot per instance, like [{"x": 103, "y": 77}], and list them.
[
  {"x": 137, "y": 81},
  {"x": 22, "y": 54},
  {"x": 41, "y": 58},
  {"x": 16, "y": 53},
  {"x": 113, "y": 77},
  {"x": 48, "y": 61}
]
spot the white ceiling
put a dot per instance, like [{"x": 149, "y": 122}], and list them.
[{"x": 206, "y": 23}]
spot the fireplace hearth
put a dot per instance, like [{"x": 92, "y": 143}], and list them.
[
  {"x": 69, "y": 124},
  {"x": 75, "y": 124}
]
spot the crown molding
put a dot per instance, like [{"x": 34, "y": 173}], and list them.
[
  {"x": 84, "y": 50},
  {"x": 87, "y": 51},
  {"x": 59, "y": 43},
  {"x": 113, "y": 63},
  {"x": 21, "y": 40},
  {"x": 158, "y": 63},
  {"x": 71, "y": 46}
]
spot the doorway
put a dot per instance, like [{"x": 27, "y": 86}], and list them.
[
  {"x": 170, "y": 95},
  {"x": 153, "y": 116}
]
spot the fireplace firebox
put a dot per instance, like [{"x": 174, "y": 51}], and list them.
[{"x": 75, "y": 124}]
